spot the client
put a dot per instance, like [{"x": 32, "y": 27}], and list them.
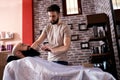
[
  {"x": 21, "y": 50},
  {"x": 31, "y": 67}
]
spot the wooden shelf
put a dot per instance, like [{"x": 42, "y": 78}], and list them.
[
  {"x": 99, "y": 58},
  {"x": 102, "y": 20},
  {"x": 97, "y": 39},
  {"x": 97, "y": 19},
  {"x": 100, "y": 55},
  {"x": 5, "y": 51},
  {"x": 6, "y": 38}
]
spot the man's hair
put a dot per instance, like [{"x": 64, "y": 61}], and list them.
[
  {"x": 11, "y": 58},
  {"x": 53, "y": 7}
]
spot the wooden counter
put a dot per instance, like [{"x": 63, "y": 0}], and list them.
[{"x": 3, "y": 57}]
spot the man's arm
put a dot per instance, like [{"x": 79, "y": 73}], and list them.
[
  {"x": 62, "y": 49},
  {"x": 39, "y": 40}
]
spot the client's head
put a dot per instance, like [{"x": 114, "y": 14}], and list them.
[{"x": 21, "y": 50}]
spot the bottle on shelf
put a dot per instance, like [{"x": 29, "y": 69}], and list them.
[
  {"x": 5, "y": 47},
  {"x": 2, "y": 46},
  {"x": 9, "y": 47},
  {"x": 6, "y": 35}
]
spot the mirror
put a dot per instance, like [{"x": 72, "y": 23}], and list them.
[
  {"x": 71, "y": 7},
  {"x": 102, "y": 11},
  {"x": 116, "y": 4}
]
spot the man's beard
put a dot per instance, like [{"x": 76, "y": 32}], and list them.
[
  {"x": 55, "y": 22},
  {"x": 31, "y": 52}
]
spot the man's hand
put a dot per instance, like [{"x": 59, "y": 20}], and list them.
[{"x": 45, "y": 47}]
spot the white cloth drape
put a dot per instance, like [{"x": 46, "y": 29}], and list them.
[{"x": 35, "y": 68}]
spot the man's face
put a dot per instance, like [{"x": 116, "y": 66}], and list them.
[
  {"x": 20, "y": 53},
  {"x": 22, "y": 47},
  {"x": 53, "y": 17}
]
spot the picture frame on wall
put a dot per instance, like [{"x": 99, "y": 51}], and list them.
[
  {"x": 74, "y": 37},
  {"x": 84, "y": 45},
  {"x": 82, "y": 27}
]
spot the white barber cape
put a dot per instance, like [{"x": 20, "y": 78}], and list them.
[{"x": 35, "y": 68}]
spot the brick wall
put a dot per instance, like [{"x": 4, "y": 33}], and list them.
[{"x": 76, "y": 55}]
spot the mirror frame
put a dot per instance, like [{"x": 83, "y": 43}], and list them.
[{"x": 65, "y": 8}]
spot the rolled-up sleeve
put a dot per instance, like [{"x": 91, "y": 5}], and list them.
[{"x": 67, "y": 31}]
